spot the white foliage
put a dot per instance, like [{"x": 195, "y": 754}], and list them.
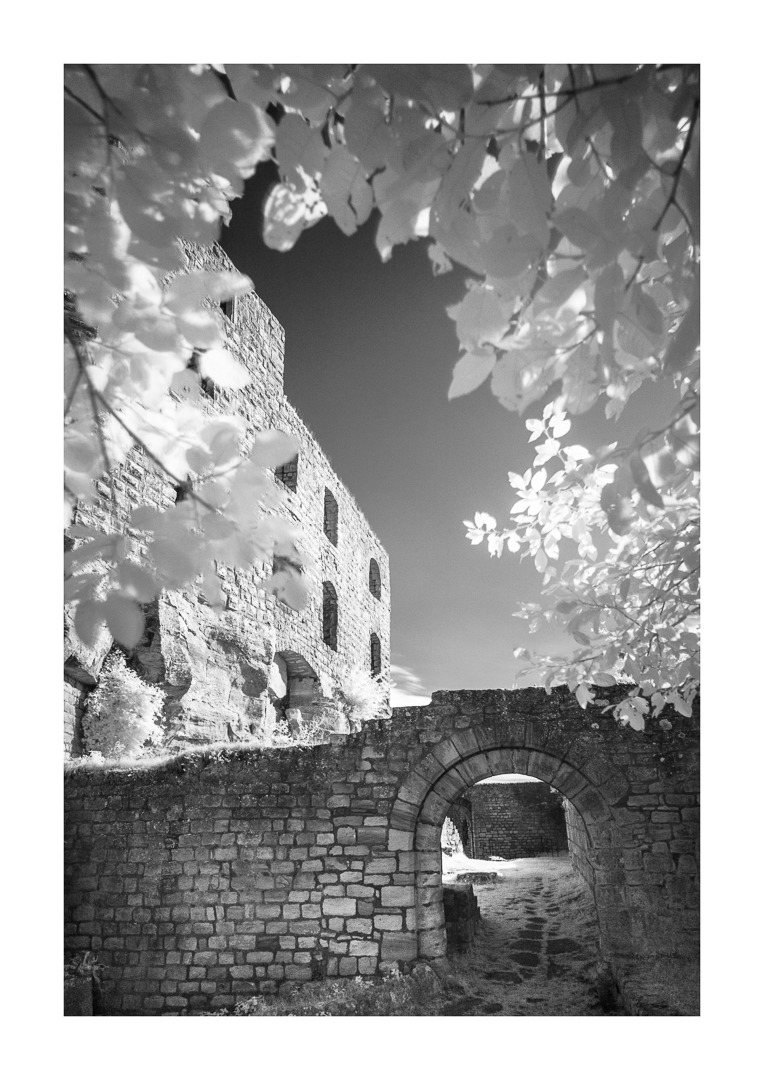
[
  {"x": 360, "y": 697},
  {"x": 122, "y": 712},
  {"x": 571, "y": 192}
]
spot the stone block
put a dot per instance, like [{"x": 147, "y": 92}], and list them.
[
  {"x": 364, "y": 948},
  {"x": 398, "y": 946},
  {"x": 403, "y": 817},
  {"x": 358, "y": 926},
  {"x": 381, "y": 866},
  {"x": 400, "y": 840},
  {"x": 339, "y": 906},
  {"x": 371, "y": 835},
  {"x": 430, "y": 917},
  {"x": 388, "y": 922},
  {"x": 398, "y": 896},
  {"x": 298, "y": 972}
]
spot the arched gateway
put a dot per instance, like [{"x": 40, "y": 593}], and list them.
[
  {"x": 425, "y": 796},
  {"x": 215, "y": 876}
]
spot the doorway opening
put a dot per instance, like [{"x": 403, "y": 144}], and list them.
[{"x": 521, "y": 923}]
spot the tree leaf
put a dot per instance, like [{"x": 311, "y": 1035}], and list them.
[
  {"x": 89, "y": 617},
  {"x": 441, "y": 263},
  {"x": 632, "y": 337},
  {"x": 273, "y": 448},
  {"x": 618, "y": 508},
  {"x": 579, "y": 226},
  {"x": 287, "y": 212},
  {"x": 470, "y": 371},
  {"x": 685, "y": 340},
  {"x": 224, "y": 369},
  {"x": 608, "y": 295},
  {"x": 583, "y": 695},
  {"x": 684, "y": 440},
  {"x": 530, "y": 198},
  {"x": 347, "y": 195},
  {"x": 444, "y": 86},
  {"x": 367, "y": 132},
  {"x": 189, "y": 290},
  {"x": 647, "y": 312},
  {"x": 136, "y": 582},
  {"x": 124, "y": 619},
  {"x": 479, "y": 318},
  {"x": 642, "y": 480},
  {"x": 298, "y": 146},
  {"x": 234, "y": 137},
  {"x": 560, "y": 288}
]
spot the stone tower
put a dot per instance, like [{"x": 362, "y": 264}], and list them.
[{"x": 228, "y": 674}]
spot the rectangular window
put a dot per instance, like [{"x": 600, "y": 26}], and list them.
[
  {"x": 331, "y": 515},
  {"x": 287, "y": 473}
]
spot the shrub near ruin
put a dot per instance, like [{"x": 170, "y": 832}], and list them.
[{"x": 122, "y": 712}]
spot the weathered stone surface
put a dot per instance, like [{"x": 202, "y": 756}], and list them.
[
  {"x": 192, "y": 872},
  {"x": 227, "y": 674},
  {"x": 513, "y": 821}
]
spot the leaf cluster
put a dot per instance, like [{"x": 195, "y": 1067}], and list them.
[
  {"x": 570, "y": 192},
  {"x": 630, "y": 599}
]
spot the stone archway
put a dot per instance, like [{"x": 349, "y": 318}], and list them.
[
  {"x": 297, "y": 691},
  {"x": 424, "y": 798}
]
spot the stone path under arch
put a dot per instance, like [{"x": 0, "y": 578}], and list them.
[{"x": 536, "y": 953}]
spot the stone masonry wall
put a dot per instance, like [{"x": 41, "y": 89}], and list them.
[
  {"x": 225, "y": 873},
  {"x": 460, "y": 813},
  {"x": 515, "y": 821},
  {"x": 74, "y": 708},
  {"x": 216, "y": 668}
]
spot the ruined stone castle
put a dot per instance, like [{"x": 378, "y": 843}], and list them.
[
  {"x": 226, "y": 675},
  {"x": 215, "y": 874}
]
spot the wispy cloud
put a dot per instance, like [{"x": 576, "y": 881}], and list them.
[{"x": 407, "y": 688}]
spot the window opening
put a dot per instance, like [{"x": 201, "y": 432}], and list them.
[
  {"x": 375, "y": 579},
  {"x": 287, "y": 473},
  {"x": 228, "y": 307},
  {"x": 331, "y": 515},
  {"x": 330, "y": 615},
  {"x": 183, "y": 491},
  {"x": 206, "y": 385},
  {"x": 376, "y": 656}
]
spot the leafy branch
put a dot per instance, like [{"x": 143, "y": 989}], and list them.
[{"x": 671, "y": 201}]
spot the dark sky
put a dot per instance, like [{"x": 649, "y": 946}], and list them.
[{"x": 369, "y": 355}]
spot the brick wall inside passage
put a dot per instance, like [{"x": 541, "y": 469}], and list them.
[
  {"x": 516, "y": 821},
  {"x": 216, "y": 668},
  {"x": 577, "y": 843},
  {"x": 460, "y": 813}
]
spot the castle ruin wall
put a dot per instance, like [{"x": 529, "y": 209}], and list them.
[
  {"x": 225, "y": 873},
  {"x": 216, "y": 667}
]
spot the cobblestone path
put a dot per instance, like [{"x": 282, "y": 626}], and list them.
[{"x": 536, "y": 953}]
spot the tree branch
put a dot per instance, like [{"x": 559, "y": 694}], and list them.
[
  {"x": 150, "y": 453},
  {"x": 85, "y": 106},
  {"x": 678, "y": 171}
]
